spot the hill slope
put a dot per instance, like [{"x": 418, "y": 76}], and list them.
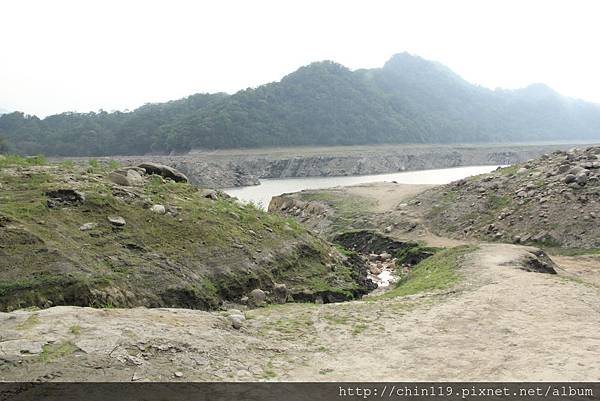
[
  {"x": 61, "y": 243},
  {"x": 552, "y": 201},
  {"x": 409, "y": 100}
]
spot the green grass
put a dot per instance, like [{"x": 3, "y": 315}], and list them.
[
  {"x": 349, "y": 209},
  {"x": 14, "y": 160},
  {"x": 268, "y": 372},
  {"x": 406, "y": 253},
  {"x": 359, "y": 328},
  {"x": 509, "y": 170},
  {"x": 53, "y": 352},
  {"x": 75, "y": 329},
  {"x": 31, "y": 321},
  {"x": 433, "y": 274},
  {"x": 55, "y": 257},
  {"x": 498, "y": 202}
]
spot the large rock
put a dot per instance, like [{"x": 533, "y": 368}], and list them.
[
  {"x": 257, "y": 297},
  {"x": 116, "y": 221},
  {"x": 64, "y": 197},
  {"x": 581, "y": 178},
  {"x": 280, "y": 292},
  {"x": 569, "y": 178},
  {"x": 158, "y": 209},
  {"x": 164, "y": 171},
  {"x": 126, "y": 177}
]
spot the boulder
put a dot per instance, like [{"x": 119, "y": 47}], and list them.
[
  {"x": 581, "y": 178},
  {"x": 88, "y": 226},
  {"x": 211, "y": 195},
  {"x": 257, "y": 297},
  {"x": 164, "y": 171},
  {"x": 158, "y": 209},
  {"x": 280, "y": 292},
  {"x": 127, "y": 178},
  {"x": 237, "y": 321},
  {"x": 116, "y": 221},
  {"x": 569, "y": 178},
  {"x": 374, "y": 269},
  {"x": 64, "y": 197}
]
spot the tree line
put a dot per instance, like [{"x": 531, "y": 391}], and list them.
[{"x": 409, "y": 100}]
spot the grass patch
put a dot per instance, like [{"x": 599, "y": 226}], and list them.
[
  {"x": 359, "y": 328},
  {"x": 52, "y": 352},
  {"x": 30, "y": 322},
  {"x": 509, "y": 170},
  {"x": 193, "y": 258},
  {"x": 351, "y": 211},
  {"x": 433, "y": 274},
  {"x": 336, "y": 319},
  {"x": 14, "y": 160},
  {"x": 269, "y": 373},
  {"x": 75, "y": 329},
  {"x": 498, "y": 202}
]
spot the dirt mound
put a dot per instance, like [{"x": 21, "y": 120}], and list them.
[{"x": 552, "y": 201}]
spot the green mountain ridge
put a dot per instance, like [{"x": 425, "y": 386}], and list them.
[{"x": 408, "y": 100}]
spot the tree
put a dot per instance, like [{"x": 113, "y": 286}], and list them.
[{"x": 3, "y": 146}]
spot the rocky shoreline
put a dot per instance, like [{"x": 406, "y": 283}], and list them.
[{"x": 235, "y": 168}]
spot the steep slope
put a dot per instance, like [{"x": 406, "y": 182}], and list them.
[
  {"x": 70, "y": 236},
  {"x": 409, "y": 100}
]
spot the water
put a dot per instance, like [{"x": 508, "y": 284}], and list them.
[{"x": 262, "y": 194}]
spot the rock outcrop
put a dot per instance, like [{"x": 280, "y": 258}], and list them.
[{"x": 226, "y": 169}]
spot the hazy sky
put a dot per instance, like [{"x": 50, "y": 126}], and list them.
[{"x": 85, "y": 55}]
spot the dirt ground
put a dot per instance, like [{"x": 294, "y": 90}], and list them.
[{"x": 500, "y": 323}]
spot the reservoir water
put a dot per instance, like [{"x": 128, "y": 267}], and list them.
[{"x": 262, "y": 194}]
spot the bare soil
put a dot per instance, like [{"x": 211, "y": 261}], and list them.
[{"x": 499, "y": 323}]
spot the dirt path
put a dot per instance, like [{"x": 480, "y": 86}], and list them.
[
  {"x": 500, "y": 323},
  {"x": 505, "y": 324}
]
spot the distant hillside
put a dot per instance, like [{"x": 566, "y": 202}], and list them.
[{"x": 408, "y": 100}]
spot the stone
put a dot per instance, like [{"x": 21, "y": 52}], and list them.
[
  {"x": 116, "y": 220},
  {"x": 569, "y": 178},
  {"x": 178, "y": 374},
  {"x": 581, "y": 178},
  {"x": 385, "y": 256},
  {"x": 164, "y": 171},
  {"x": 280, "y": 292},
  {"x": 127, "y": 178},
  {"x": 375, "y": 270},
  {"x": 211, "y": 195},
  {"x": 237, "y": 321},
  {"x": 158, "y": 209},
  {"x": 64, "y": 197},
  {"x": 388, "y": 229},
  {"x": 257, "y": 297},
  {"x": 88, "y": 226}
]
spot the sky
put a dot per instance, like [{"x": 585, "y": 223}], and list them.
[{"x": 88, "y": 55}]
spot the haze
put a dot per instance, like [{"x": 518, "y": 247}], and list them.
[{"x": 82, "y": 56}]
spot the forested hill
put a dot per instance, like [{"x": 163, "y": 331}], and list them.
[{"x": 409, "y": 100}]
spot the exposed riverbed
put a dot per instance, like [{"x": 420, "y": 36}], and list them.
[{"x": 262, "y": 194}]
